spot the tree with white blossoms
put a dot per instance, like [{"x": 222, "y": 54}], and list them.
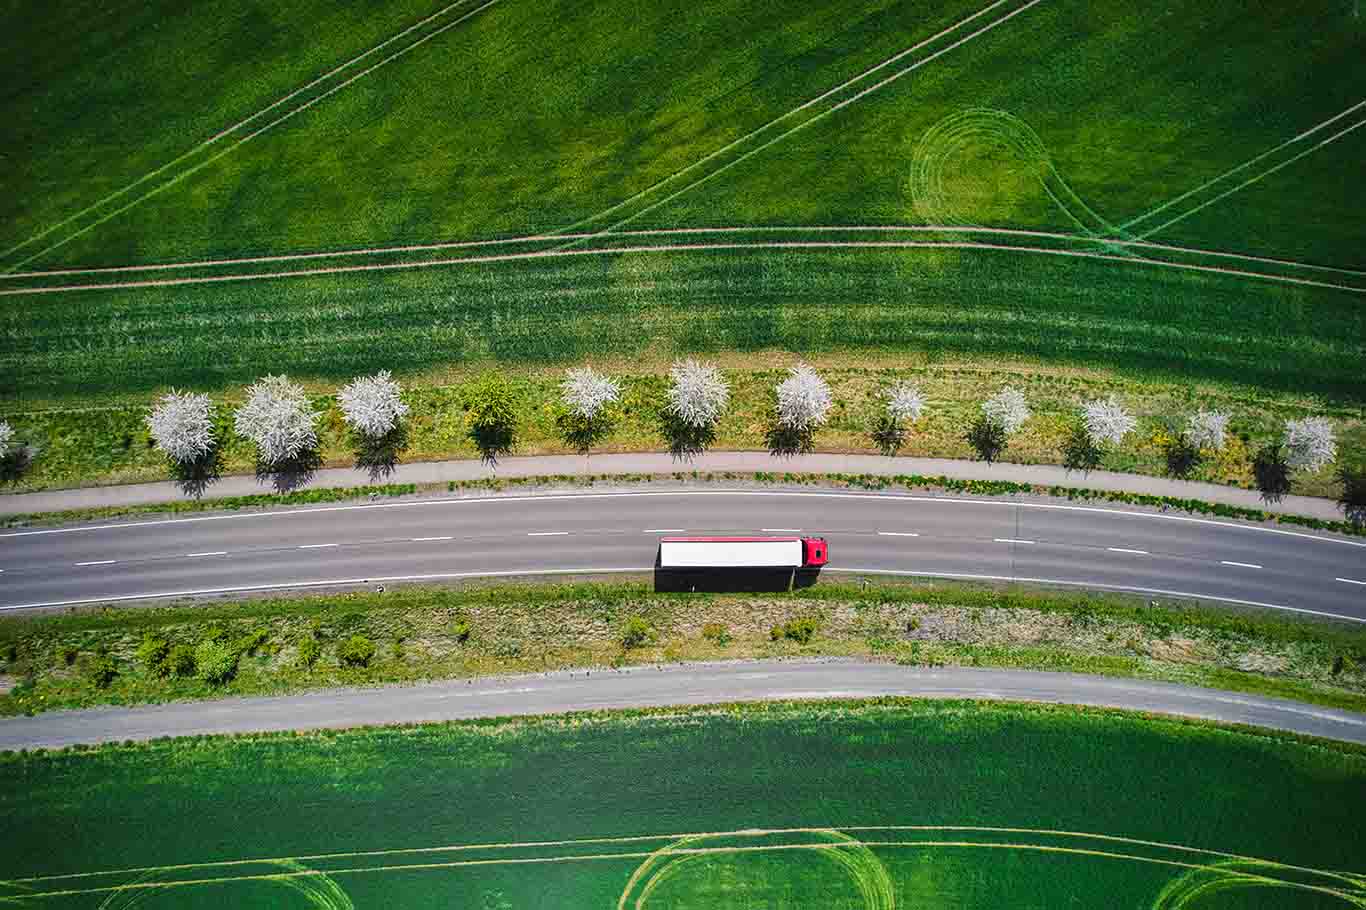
[
  {"x": 1007, "y": 409},
  {"x": 698, "y": 394},
  {"x": 804, "y": 399},
  {"x": 586, "y": 392},
  {"x": 278, "y": 418},
  {"x": 372, "y": 405},
  {"x": 1207, "y": 429},
  {"x": 903, "y": 404},
  {"x": 6, "y": 436},
  {"x": 181, "y": 424},
  {"x": 1310, "y": 443},
  {"x": 1107, "y": 421}
]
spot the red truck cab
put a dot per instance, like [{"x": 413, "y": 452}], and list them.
[{"x": 815, "y": 551}]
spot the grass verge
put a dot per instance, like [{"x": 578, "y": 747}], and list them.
[{"x": 277, "y": 645}]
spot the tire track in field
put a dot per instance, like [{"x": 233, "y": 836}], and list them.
[
  {"x": 752, "y": 134},
  {"x": 560, "y": 252},
  {"x": 655, "y": 232},
  {"x": 183, "y": 174},
  {"x": 1226, "y": 175}
]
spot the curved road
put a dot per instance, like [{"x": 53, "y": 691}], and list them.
[
  {"x": 687, "y": 684},
  {"x": 604, "y": 532}
]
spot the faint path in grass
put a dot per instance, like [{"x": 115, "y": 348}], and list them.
[{"x": 96, "y": 209}]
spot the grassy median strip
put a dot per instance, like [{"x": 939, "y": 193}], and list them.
[{"x": 278, "y": 645}]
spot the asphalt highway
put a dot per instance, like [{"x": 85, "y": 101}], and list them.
[
  {"x": 1158, "y": 554},
  {"x": 635, "y": 687}
]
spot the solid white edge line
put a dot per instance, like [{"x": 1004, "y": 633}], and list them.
[
  {"x": 1009, "y": 540},
  {"x": 891, "y": 497},
  {"x": 161, "y": 595},
  {"x": 897, "y": 534},
  {"x": 1127, "y": 550},
  {"x": 547, "y": 533},
  {"x": 97, "y": 562},
  {"x": 1241, "y": 565},
  {"x": 1089, "y": 584},
  {"x": 1351, "y": 581}
]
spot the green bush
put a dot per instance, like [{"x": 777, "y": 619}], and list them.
[
  {"x": 69, "y": 653},
  {"x": 250, "y": 643},
  {"x": 717, "y": 634},
  {"x": 152, "y": 654},
  {"x": 460, "y": 631},
  {"x": 636, "y": 632},
  {"x": 180, "y": 661},
  {"x": 310, "y": 649},
  {"x": 356, "y": 651},
  {"x": 801, "y": 630},
  {"x": 101, "y": 670},
  {"x": 215, "y": 661}
]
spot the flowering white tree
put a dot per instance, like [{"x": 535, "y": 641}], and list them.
[
  {"x": 586, "y": 392},
  {"x": 1309, "y": 443},
  {"x": 804, "y": 399},
  {"x": 1107, "y": 421},
  {"x": 372, "y": 405},
  {"x": 278, "y": 418},
  {"x": 1206, "y": 429},
  {"x": 698, "y": 395},
  {"x": 6, "y": 436},
  {"x": 181, "y": 423},
  {"x": 1007, "y": 409},
  {"x": 904, "y": 402}
]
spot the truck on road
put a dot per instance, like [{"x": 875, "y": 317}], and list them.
[{"x": 742, "y": 552}]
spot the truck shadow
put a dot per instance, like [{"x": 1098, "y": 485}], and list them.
[{"x": 727, "y": 581}]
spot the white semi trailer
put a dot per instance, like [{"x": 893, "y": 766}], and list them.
[{"x": 742, "y": 552}]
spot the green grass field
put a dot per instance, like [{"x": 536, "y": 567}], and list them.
[
  {"x": 876, "y": 806},
  {"x": 1229, "y": 130}
]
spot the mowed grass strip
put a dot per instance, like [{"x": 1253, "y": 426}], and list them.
[{"x": 1045, "y": 770}]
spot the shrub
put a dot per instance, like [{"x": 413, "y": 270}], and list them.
[
  {"x": 277, "y": 417},
  {"x": 101, "y": 670},
  {"x": 804, "y": 399},
  {"x": 1352, "y": 499},
  {"x": 372, "y": 405},
  {"x": 215, "y": 661},
  {"x": 987, "y": 438},
  {"x": 491, "y": 410},
  {"x": 69, "y": 653},
  {"x": 1272, "y": 472},
  {"x": 356, "y": 651},
  {"x": 636, "y": 632},
  {"x": 310, "y": 649},
  {"x": 152, "y": 654},
  {"x": 801, "y": 629},
  {"x": 1081, "y": 451},
  {"x": 180, "y": 661},
  {"x": 460, "y": 631},
  {"x": 717, "y": 633}
]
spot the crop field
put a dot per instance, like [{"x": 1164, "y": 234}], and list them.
[
  {"x": 297, "y": 187},
  {"x": 909, "y": 805}
]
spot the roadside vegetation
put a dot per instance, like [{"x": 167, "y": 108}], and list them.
[{"x": 276, "y": 645}]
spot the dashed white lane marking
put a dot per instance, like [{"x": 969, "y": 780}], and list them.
[
  {"x": 209, "y": 553},
  {"x": 1010, "y": 540},
  {"x": 1127, "y": 550},
  {"x": 547, "y": 533},
  {"x": 316, "y": 546},
  {"x": 663, "y": 530},
  {"x": 421, "y": 539},
  {"x": 1241, "y": 565},
  {"x": 97, "y": 562},
  {"x": 1351, "y": 581},
  {"x": 897, "y": 534},
  {"x": 781, "y": 530}
]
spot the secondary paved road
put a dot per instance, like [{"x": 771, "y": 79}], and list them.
[
  {"x": 1162, "y": 555},
  {"x": 686, "y": 684}
]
